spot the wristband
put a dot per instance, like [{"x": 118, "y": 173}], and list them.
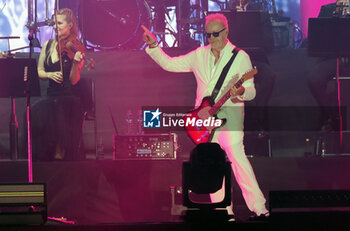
[
  {"x": 76, "y": 62},
  {"x": 152, "y": 45}
]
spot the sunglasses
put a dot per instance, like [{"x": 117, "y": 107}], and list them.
[{"x": 215, "y": 34}]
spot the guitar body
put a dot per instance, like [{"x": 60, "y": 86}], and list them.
[
  {"x": 207, "y": 109},
  {"x": 201, "y": 134}
]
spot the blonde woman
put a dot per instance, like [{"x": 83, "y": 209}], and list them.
[{"x": 57, "y": 118}]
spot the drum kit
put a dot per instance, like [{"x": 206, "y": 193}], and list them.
[
  {"x": 113, "y": 24},
  {"x": 116, "y": 23},
  {"x": 103, "y": 24}
]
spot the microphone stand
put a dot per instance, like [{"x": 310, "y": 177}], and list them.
[{"x": 27, "y": 93}]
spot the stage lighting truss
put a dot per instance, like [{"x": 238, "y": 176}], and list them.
[{"x": 174, "y": 27}]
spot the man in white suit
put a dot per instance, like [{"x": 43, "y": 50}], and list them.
[{"x": 207, "y": 63}]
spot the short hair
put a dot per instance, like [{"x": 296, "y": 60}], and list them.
[{"x": 217, "y": 17}]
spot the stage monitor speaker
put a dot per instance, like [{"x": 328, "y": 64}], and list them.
[
  {"x": 309, "y": 205},
  {"x": 23, "y": 204}
]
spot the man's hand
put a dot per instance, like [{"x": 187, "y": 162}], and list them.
[
  {"x": 148, "y": 36},
  {"x": 235, "y": 92}
]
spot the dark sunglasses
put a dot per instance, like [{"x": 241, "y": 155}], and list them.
[{"x": 215, "y": 34}]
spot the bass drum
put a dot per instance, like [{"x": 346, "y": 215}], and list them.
[{"x": 113, "y": 23}]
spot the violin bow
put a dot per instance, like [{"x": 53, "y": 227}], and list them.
[{"x": 57, "y": 37}]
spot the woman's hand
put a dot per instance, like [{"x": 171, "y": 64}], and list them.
[
  {"x": 56, "y": 76},
  {"x": 78, "y": 57}
]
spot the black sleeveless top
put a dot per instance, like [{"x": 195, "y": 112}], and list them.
[{"x": 55, "y": 89}]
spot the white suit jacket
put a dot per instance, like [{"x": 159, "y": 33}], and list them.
[{"x": 201, "y": 63}]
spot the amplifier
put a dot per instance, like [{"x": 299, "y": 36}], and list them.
[
  {"x": 283, "y": 33},
  {"x": 145, "y": 147}
]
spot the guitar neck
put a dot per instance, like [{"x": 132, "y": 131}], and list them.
[{"x": 216, "y": 107}]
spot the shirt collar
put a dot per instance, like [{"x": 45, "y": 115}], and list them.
[{"x": 227, "y": 48}]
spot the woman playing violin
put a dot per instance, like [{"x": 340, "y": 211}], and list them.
[
  {"x": 57, "y": 118},
  {"x": 66, "y": 30}
]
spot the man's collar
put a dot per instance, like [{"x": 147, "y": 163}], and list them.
[{"x": 223, "y": 50}]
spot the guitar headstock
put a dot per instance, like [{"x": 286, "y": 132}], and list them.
[{"x": 250, "y": 74}]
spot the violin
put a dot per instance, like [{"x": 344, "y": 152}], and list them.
[{"x": 70, "y": 45}]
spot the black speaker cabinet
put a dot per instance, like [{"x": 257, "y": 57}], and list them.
[
  {"x": 305, "y": 206},
  {"x": 23, "y": 204}
]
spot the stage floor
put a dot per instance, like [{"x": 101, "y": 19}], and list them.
[
  {"x": 129, "y": 191},
  {"x": 325, "y": 225}
]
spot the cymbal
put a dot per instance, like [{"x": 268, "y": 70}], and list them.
[{"x": 10, "y": 37}]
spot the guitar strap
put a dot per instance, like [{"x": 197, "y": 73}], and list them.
[{"x": 223, "y": 74}]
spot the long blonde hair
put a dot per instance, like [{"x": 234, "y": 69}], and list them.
[{"x": 70, "y": 18}]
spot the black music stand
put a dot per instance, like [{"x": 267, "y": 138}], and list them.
[
  {"x": 330, "y": 37},
  {"x": 12, "y": 85}
]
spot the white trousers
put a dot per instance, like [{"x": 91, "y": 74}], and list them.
[{"x": 230, "y": 138}]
